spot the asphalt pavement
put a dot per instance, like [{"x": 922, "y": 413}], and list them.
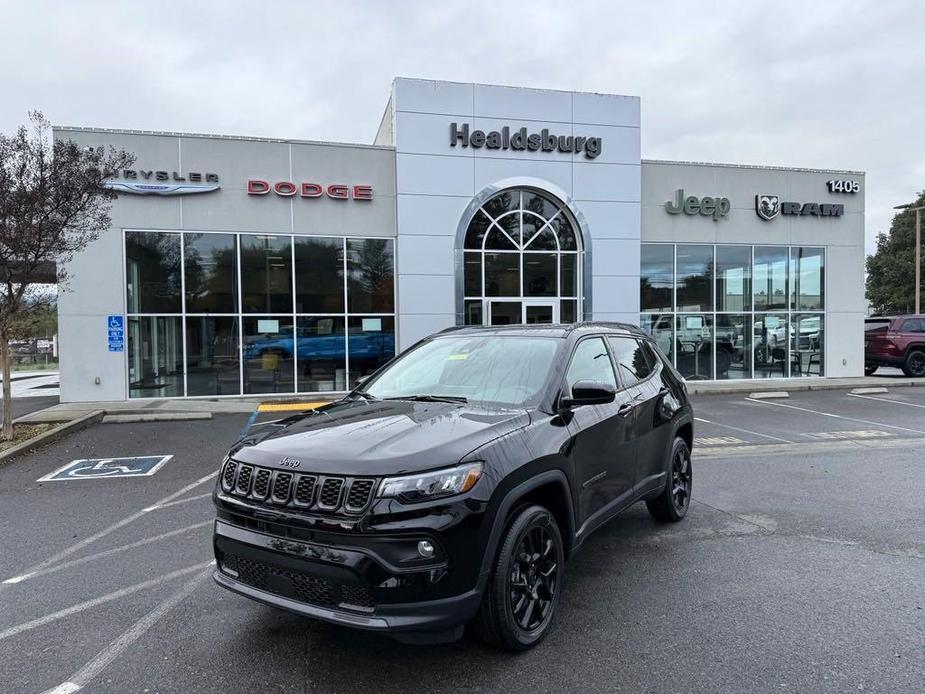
[{"x": 799, "y": 569}]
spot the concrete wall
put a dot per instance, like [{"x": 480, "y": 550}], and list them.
[
  {"x": 97, "y": 283},
  {"x": 842, "y": 237},
  {"x": 435, "y": 183}
]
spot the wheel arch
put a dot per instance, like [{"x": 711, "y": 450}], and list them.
[{"x": 549, "y": 489}]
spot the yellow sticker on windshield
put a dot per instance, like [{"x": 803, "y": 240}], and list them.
[{"x": 457, "y": 357}]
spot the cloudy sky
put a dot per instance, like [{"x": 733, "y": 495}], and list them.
[{"x": 814, "y": 84}]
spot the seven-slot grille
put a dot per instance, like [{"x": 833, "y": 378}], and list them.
[{"x": 329, "y": 494}]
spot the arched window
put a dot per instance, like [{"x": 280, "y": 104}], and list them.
[{"x": 522, "y": 261}]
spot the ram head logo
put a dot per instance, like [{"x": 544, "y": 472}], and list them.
[{"x": 767, "y": 206}]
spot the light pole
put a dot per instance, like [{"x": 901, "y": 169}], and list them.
[{"x": 918, "y": 252}]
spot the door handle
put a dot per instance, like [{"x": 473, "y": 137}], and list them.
[{"x": 626, "y": 408}]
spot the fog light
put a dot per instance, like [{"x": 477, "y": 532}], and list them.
[{"x": 425, "y": 549}]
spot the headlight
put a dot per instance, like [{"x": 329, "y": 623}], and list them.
[{"x": 432, "y": 485}]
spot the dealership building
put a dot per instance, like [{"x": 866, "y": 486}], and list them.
[{"x": 240, "y": 266}]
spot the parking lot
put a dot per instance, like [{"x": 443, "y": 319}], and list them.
[{"x": 799, "y": 568}]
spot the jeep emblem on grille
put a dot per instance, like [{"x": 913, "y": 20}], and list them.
[{"x": 290, "y": 462}]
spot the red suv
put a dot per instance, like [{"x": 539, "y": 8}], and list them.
[{"x": 898, "y": 341}]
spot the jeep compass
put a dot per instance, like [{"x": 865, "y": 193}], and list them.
[{"x": 453, "y": 484}]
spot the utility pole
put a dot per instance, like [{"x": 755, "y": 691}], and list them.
[{"x": 918, "y": 252}]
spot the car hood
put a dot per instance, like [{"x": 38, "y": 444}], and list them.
[{"x": 381, "y": 437}]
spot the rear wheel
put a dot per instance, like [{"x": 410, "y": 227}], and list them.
[
  {"x": 672, "y": 504},
  {"x": 869, "y": 370},
  {"x": 915, "y": 363},
  {"x": 525, "y": 584}
]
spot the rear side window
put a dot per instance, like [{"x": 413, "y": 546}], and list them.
[
  {"x": 876, "y": 326},
  {"x": 913, "y": 325},
  {"x": 635, "y": 360},
  {"x": 591, "y": 362}
]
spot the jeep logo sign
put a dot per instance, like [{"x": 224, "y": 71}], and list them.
[{"x": 707, "y": 206}]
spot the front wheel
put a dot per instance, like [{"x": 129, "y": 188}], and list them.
[
  {"x": 915, "y": 363},
  {"x": 869, "y": 370},
  {"x": 672, "y": 503},
  {"x": 525, "y": 584}
]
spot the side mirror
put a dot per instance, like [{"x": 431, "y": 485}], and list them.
[{"x": 589, "y": 393}]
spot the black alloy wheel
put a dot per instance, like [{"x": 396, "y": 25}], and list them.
[
  {"x": 674, "y": 500},
  {"x": 915, "y": 364},
  {"x": 525, "y": 584},
  {"x": 534, "y": 579}
]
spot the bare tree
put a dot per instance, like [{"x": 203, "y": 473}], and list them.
[{"x": 53, "y": 203}]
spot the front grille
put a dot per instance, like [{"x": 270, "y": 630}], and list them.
[
  {"x": 228, "y": 475},
  {"x": 327, "y": 494},
  {"x": 305, "y": 490},
  {"x": 329, "y": 498},
  {"x": 244, "y": 479},
  {"x": 262, "y": 483},
  {"x": 307, "y": 588},
  {"x": 358, "y": 496},
  {"x": 281, "y": 484}
]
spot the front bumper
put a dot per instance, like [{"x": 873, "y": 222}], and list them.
[{"x": 342, "y": 585}]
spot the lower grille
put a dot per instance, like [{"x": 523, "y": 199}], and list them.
[{"x": 303, "y": 587}]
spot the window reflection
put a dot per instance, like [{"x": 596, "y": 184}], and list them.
[
  {"x": 733, "y": 278},
  {"x": 212, "y": 356},
  {"x": 806, "y": 342},
  {"x": 269, "y": 366},
  {"x": 808, "y": 273},
  {"x": 319, "y": 274},
  {"x": 211, "y": 273},
  {"x": 733, "y": 346},
  {"x": 770, "y": 345},
  {"x": 152, "y": 269},
  {"x": 694, "y": 339},
  {"x": 370, "y": 276},
  {"x": 155, "y": 357},
  {"x": 266, "y": 273},
  {"x": 770, "y": 277},
  {"x": 322, "y": 353},
  {"x": 371, "y": 343},
  {"x": 656, "y": 278},
  {"x": 695, "y": 278}
]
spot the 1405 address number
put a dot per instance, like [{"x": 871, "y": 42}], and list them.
[{"x": 842, "y": 186}]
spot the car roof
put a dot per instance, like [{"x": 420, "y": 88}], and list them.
[{"x": 548, "y": 330}]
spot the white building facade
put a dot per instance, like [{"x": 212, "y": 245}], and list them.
[{"x": 244, "y": 266}]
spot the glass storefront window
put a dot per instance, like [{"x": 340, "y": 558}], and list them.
[
  {"x": 155, "y": 356},
  {"x": 656, "y": 277},
  {"x": 694, "y": 340},
  {"x": 371, "y": 343},
  {"x": 266, "y": 273},
  {"x": 733, "y": 278},
  {"x": 770, "y": 345},
  {"x": 770, "y": 277},
  {"x": 212, "y": 356},
  {"x": 472, "y": 274},
  {"x": 502, "y": 274},
  {"x": 210, "y": 266},
  {"x": 370, "y": 276},
  {"x": 733, "y": 345},
  {"x": 473, "y": 312},
  {"x": 258, "y": 342},
  {"x": 806, "y": 343},
  {"x": 661, "y": 327},
  {"x": 322, "y": 353},
  {"x": 540, "y": 277},
  {"x": 568, "y": 311},
  {"x": 152, "y": 271},
  {"x": 695, "y": 278},
  {"x": 807, "y": 291},
  {"x": 269, "y": 364},
  {"x": 319, "y": 274}
]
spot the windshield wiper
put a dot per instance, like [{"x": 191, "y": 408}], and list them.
[
  {"x": 361, "y": 394},
  {"x": 432, "y": 398}
]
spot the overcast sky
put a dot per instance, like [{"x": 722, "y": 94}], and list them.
[{"x": 814, "y": 84}]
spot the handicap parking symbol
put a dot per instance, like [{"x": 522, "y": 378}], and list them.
[{"x": 99, "y": 468}]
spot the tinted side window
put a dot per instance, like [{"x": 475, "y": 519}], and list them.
[
  {"x": 876, "y": 326},
  {"x": 913, "y": 325},
  {"x": 634, "y": 361},
  {"x": 591, "y": 362}
]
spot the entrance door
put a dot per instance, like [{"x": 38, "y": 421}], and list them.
[{"x": 526, "y": 311}]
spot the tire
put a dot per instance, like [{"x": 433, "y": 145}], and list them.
[
  {"x": 511, "y": 616},
  {"x": 915, "y": 363},
  {"x": 869, "y": 370},
  {"x": 671, "y": 505}
]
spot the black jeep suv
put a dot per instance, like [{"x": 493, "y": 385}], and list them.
[{"x": 453, "y": 483}]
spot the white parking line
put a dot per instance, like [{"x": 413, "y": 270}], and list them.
[
  {"x": 158, "y": 507},
  {"x": 836, "y": 416},
  {"x": 109, "y": 597},
  {"x": 106, "y": 553},
  {"x": 744, "y": 431},
  {"x": 67, "y": 551},
  {"x": 895, "y": 402},
  {"x": 101, "y": 661}
]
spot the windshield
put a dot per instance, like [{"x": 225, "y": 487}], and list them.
[{"x": 503, "y": 371}]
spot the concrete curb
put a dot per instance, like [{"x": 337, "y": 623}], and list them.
[
  {"x": 159, "y": 417},
  {"x": 52, "y": 434},
  {"x": 716, "y": 388}
]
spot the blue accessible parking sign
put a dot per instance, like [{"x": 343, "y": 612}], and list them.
[
  {"x": 115, "y": 327},
  {"x": 98, "y": 468}
]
